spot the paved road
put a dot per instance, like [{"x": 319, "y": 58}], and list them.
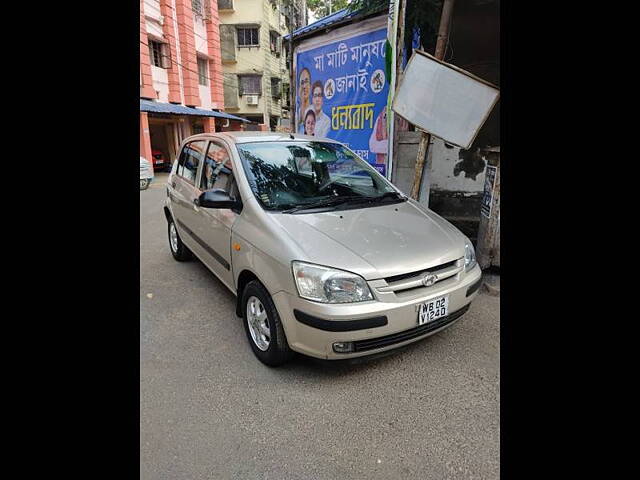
[{"x": 210, "y": 410}]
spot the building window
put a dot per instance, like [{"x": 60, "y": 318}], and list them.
[
  {"x": 225, "y": 4},
  {"x": 201, "y": 9},
  {"x": 276, "y": 92},
  {"x": 248, "y": 37},
  {"x": 203, "y": 71},
  {"x": 250, "y": 84},
  {"x": 274, "y": 42},
  {"x": 159, "y": 53}
]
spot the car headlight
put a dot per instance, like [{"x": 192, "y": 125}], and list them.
[
  {"x": 329, "y": 285},
  {"x": 469, "y": 256}
]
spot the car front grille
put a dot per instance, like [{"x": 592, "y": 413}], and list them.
[
  {"x": 409, "y": 283},
  {"x": 404, "y": 276},
  {"x": 373, "y": 343}
]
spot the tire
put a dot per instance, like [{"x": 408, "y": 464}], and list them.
[
  {"x": 178, "y": 249},
  {"x": 144, "y": 183},
  {"x": 277, "y": 351}
]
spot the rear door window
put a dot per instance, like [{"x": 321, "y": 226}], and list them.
[{"x": 190, "y": 159}]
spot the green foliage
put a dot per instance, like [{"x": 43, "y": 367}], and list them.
[
  {"x": 320, "y": 8},
  {"x": 367, "y": 6},
  {"x": 423, "y": 15}
]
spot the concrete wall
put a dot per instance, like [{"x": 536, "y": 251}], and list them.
[
  {"x": 451, "y": 169},
  {"x": 452, "y": 182},
  {"x": 455, "y": 170},
  {"x": 160, "y": 83}
]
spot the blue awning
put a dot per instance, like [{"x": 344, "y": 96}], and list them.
[{"x": 170, "y": 108}]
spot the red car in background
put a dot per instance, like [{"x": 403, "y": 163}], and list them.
[{"x": 159, "y": 162}]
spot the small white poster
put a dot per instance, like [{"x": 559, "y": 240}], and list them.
[{"x": 444, "y": 100}]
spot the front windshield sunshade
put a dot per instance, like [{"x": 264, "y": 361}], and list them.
[{"x": 292, "y": 176}]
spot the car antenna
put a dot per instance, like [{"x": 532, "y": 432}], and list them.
[{"x": 291, "y": 136}]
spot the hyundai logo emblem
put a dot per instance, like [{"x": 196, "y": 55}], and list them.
[{"x": 429, "y": 279}]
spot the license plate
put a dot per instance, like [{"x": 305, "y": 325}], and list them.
[{"x": 433, "y": 310}]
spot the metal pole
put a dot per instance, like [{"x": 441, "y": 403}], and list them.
[
  {"x": 292, "y": 86},
  {"x": 441, "y": 44},
  {"x": 393, "y": 25}
]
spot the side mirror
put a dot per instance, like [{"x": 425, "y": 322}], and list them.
[{"x": 217, "y": 198}]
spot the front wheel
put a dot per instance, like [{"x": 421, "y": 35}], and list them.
[
  {"x": 178, "y": 249},
  {"x": 263, "y": 326},
  {"x": 144, "y": 183}
]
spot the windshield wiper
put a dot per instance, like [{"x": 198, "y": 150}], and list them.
[
  {"x": 326, "y": 202},
  {"x": 392, "y": 195}
]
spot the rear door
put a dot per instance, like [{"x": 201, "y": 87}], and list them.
[
  {"x": 215, "y": 224},
  {"x": 184, "y": 191}
]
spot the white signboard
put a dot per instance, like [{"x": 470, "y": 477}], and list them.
[{"x": 444, "y": 100}]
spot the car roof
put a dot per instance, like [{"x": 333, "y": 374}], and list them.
[{"x": 248, "y": 137}]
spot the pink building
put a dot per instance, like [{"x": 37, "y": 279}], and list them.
[{"x": 181, "y": 90}]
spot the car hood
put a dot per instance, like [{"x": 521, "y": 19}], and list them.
[{"x": 375, "y": 242}]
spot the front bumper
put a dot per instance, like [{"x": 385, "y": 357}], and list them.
[{"x": 376, "y": 326}]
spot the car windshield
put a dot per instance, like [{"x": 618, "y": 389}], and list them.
[{"x": 297, "y": 176}]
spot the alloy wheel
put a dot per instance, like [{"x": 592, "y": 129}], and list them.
[{"x": 258, "y": 323}]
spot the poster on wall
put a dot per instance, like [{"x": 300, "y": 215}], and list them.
[
  {"x": 342, "y": 89},
  {"x": 487, "y": 197}
]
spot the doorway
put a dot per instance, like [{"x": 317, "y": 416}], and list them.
[{"x": 164, "y": 139}]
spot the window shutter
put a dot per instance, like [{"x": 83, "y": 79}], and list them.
[
  {"x": 230, "y": 90},
  {"x": 241, "y": 88},
  {"x": 279, "y": 46},
  {"x": 228, "y": 42},
  {"x": 275, "y": 87},
  {"x": 165, "y": 59}
]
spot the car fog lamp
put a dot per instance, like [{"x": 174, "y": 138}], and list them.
[{"x": 343, "y": 347}]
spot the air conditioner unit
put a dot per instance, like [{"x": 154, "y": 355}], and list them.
[{"x": 252, "y": 99}]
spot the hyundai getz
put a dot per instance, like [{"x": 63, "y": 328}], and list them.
[{"x": 325, "y": 256}]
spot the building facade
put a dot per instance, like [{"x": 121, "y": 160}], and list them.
[
  {"x": 181, "y": 90},
  {"x": 255, "y": 58}
]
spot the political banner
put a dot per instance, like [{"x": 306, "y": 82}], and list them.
[{"x": 342, "y": 92}]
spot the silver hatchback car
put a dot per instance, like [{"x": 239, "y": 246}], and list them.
[{"x": 325, "y": 256}]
